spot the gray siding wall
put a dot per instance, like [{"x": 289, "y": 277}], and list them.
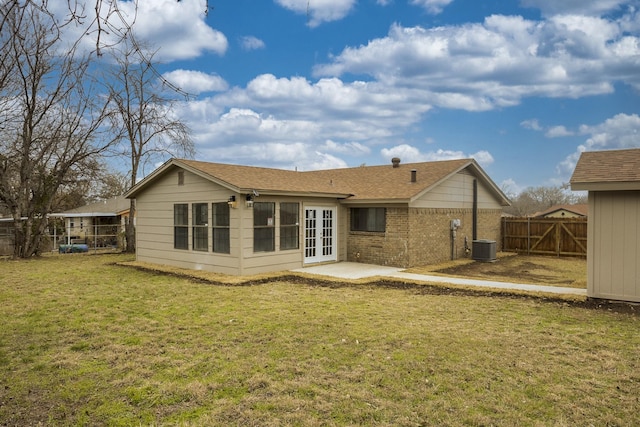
[{"x": 614, "y": 245}]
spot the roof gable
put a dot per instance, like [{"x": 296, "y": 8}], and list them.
[
  {"x": 607, "y": 170},
  {"x": 581, "y": 209},
  {"x": 365, "y": 183}
]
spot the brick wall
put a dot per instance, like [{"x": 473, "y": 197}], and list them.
[
  {"x": 388, "y": 248},
  {"x": 416, "y": 237}
]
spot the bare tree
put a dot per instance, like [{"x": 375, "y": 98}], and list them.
[
  {"x": 142, "y": 117},
  {"x": 536, "y": 199},
  {"x": 50, "y": 117}
]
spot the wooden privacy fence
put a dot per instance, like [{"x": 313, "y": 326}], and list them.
[{"x": 549, "y": 236}]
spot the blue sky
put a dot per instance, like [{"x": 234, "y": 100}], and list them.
[{"x": 521, "y": 86}]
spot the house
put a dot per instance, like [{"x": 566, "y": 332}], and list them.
[
  {"x": 247, "y": 220},
  {"x": 612, "y": 179},
  {"x": 564, "y": 211},
  {"x": 97, "y": 224}
]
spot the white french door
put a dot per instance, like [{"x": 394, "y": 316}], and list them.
[{"x": 319, "y": 234}]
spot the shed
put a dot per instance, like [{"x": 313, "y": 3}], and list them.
[
  {"x": 236, "y": 219},
  {"x": 612, "y": 179}
]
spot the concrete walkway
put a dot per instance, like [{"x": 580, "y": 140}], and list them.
[{"x": 354, "y": 270}]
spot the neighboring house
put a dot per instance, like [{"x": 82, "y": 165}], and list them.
[
  {"x": 97, "y": 224},
  {"x": 246, "y": 220},
  {"x": 564, "y": 211},
  {"x": 612, "y": 179}
]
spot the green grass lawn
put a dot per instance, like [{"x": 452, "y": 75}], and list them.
[{"x": 87, "y": 342}]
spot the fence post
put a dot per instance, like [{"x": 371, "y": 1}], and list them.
[{"x": 528, "y": 235}]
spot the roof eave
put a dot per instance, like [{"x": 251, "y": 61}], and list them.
[{"x": 605, "y": 186}]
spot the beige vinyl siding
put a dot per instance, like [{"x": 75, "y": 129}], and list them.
[
  {"x": 259, "y": 262},
  {"x": 154, "y": 228},
  {"x": 457, "y": 193},
  {"x": 614, "y": 245}
]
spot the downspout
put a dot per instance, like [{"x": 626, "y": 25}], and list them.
[{"x": 474, "y": 233}]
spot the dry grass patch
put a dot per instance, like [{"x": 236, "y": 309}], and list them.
[
  {"x": 86, "y": 342},
  {"x": 510, "y": 267}
]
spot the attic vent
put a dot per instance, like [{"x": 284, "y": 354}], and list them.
[
  {"x": 396, "y": 162},
  {"x": 414, "y": 175},
  {"x": 180, "y": 177}
]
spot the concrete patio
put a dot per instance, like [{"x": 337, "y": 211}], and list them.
[{"x": 354, "y": 270}]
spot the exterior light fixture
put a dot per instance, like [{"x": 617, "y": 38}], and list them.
[
  {"x": 232, "y": 201},
  {"x": 249, "y": 201}
]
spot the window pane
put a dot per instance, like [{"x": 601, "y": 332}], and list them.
[
  {"x": 181, "y": 223},
  {"x": 289, "y": 226},
  {"x": 220, "y": 214},
  {"x": 264, "y": 226},
  {"x": 181, "y": 214},
  {"x": 368, "y": 219},
  {"x": 289, "y": 236},
  {"x": 221, "y": 239},
  {"x": 263, "y": 214},
  {"x": 200, "y": 239},
  {"x": 200, "y": 229},
  {"x": 264, "y": 239},
  {"x": 289, "y": 213},
  {"x": 200, "y": 214},
  {"x": 181, "y": 237}
]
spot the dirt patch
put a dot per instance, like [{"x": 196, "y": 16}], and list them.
[{"x": 536, "y": 270}]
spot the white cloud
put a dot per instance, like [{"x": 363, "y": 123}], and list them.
[
  {"x": 319, "y": 11},
  {"x": 497, "y": 63},
  {"x": 353, "y": 148},
  {"x": 176, "y": 28},
  {"x": 558, "y": 132},
  {"x": 251, "y": 43},
  {"x": 196, "y": 82},
  {"x": 410, "y": 154},
  {"x": 432, "y": 6},
  {"x": 511, "y": 188},
  {"x": 532, "y": 124},
  {"x": 618, "y": 132}
]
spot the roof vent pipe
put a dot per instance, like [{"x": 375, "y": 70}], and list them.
[
  {"x": 414, "y": 174},
  {"x": 396, "y": 162}
]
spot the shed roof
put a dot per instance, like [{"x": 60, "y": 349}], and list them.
[
  {"x": 109, "y": 207},
  {"x": 579, "y": 209},
  {"x": 607, "y": 170},
  {"x": 358, "y": 184}
]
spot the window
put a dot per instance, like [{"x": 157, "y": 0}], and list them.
[
  {"x": 264, "y": 226},
  {"x": 200, "y": 226},
  {"x": 289, "y": 226},
  {"x": 181, "y": 226},
  {"x": 221, "y": 227},
  {"x": 368, "y": 219}
]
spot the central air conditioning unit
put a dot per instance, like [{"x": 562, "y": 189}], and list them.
[{"x": 483, "y": 250}]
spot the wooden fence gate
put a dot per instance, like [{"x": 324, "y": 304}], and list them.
[{"x": 549, "y": 236}]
